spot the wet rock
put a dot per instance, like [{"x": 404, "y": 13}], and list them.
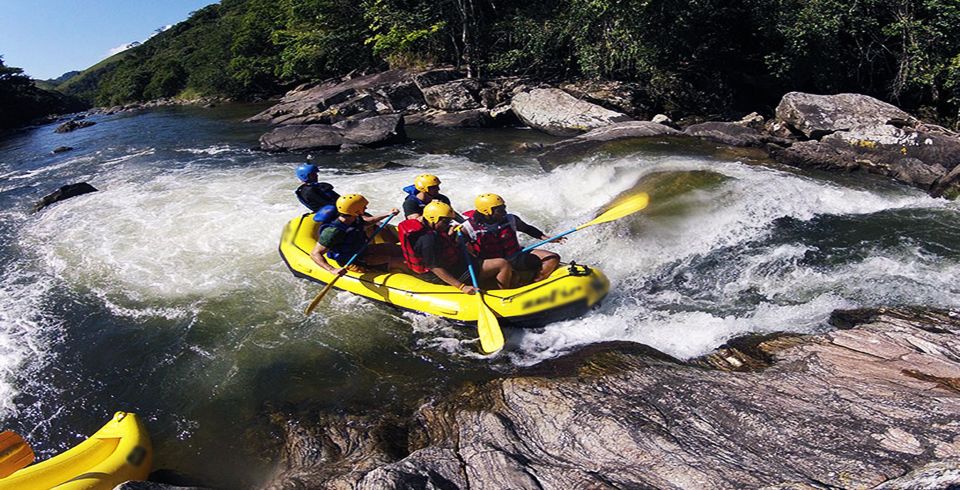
[
  {"x": 579, "y": 145},
  {"x": 857, "y": 407},
  {"x": 815, "y": 116},
  {"x": 918, "y": 158},
  {"x": 61, "y": 149},
  {"x": 302, "y": 137},
  {"x": 370, "y": 132},
  {"x": 474, "y": 118},
  {"x": 327, "y": 451},
  {"x": 732, "y": 133},
  {"x": 373, "y": 131},
  {"x": 458, "y": 95},
  {"x": 64, "y": 192},
  {"x": 73, "y": 125},
  {"x": 556, "y": 112}
]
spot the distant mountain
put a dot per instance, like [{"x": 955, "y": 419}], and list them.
[{"x": 63, "y": 78}]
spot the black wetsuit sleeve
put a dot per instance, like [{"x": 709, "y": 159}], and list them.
[
  {"x": 411, "y": 206},
  {"x": 528, "y": 229},
  {"x": 426, "y": 248}
]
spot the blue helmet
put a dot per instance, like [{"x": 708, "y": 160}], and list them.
[
  {"x": 304, "y": 171},
  {"x": 326, "y": 214}
]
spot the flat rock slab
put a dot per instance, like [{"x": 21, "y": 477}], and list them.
[
  {"x": 558, "y": 113},
  {"x": 854, "y": 408}
]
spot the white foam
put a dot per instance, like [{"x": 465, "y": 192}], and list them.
[{"x": 26, "y": 326}]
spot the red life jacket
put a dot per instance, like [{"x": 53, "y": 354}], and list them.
[
  {"x": 493, "y": 240},
  {"x": 410, "y": 231}
]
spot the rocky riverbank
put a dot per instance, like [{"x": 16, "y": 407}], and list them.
[
  {"x": 872, "y": 404},
  {"x": 844, "y": 132}
]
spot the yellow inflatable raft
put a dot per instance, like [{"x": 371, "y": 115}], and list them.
[
  {"x": 569, "y": 292},
  {"x": 118, "y": 452}
]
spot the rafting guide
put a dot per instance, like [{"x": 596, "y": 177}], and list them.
[{"x": 311, "y": 193}]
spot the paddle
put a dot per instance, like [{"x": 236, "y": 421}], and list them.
[
  {"x": 313, "y": 304},
  {"x": 629, "y": 206},
  {"x": 491, "y": 337},
  {"x": 15, "y": 453}
]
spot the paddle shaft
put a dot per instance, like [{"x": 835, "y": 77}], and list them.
[
  {"x": 488, "y": 328},
  {"x": 316, "y": 300}
]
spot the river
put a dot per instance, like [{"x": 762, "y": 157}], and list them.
[{"x": 164, "y": 294}]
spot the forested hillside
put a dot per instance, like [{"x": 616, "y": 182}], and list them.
[
  {"x": 692, "y": 56},
  {"x": 21, "y": 101}
]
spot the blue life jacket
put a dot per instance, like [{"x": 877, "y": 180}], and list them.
[
  {"x": 412, "y": 192},
  {"x": 353, "y": 240}
]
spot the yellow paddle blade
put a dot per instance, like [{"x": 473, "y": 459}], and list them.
[
  {"x": 491, "y": 337},
  {"x": 316, "y": 300},
  {"x": 629, "y": 206},
  {"x": 15, "y": 453}
]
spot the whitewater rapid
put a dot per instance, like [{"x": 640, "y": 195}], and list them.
[{"x": 188, "y": 236}]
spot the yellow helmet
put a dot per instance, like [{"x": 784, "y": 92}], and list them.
[
  {"x": 486, "y": 202},
  {"x": 352, "y": 204},
  {"x": 437, "y": 209},
  {"x": 426, "y": 181}
]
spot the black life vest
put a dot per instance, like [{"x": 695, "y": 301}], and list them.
[
  {"x": 353, "y": 240},
  {"x": 410, "y": 231},
  {"x": 492, "y": 240},
  {"x": 316, "y": 195}
]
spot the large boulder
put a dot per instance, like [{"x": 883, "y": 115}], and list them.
[
  {"x": 578, "y": 146},
  {"x": 302, "y": 137},
  {"x": 815, "y": 116},
  {"x": 64, "y": 192},
  {"x": 853, "y": 408},
  {"x": 558, "y": 113},
  {"x": 369, "y": 132},
  {"x": 458, "y": 95},
  {"x": 373, "y": 131}
]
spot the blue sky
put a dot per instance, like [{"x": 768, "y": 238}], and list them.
[{"x": 48, "y": 38}]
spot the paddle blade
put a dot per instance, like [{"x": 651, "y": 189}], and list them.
[
  {"x": 15, "y": 453},
  {"x": 316, "y": 301},
  {"x": 491, "y": 337},
  {"x": 629, "y": 206}
]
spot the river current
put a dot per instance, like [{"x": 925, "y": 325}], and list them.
[{"x": 164, "y": 294}]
